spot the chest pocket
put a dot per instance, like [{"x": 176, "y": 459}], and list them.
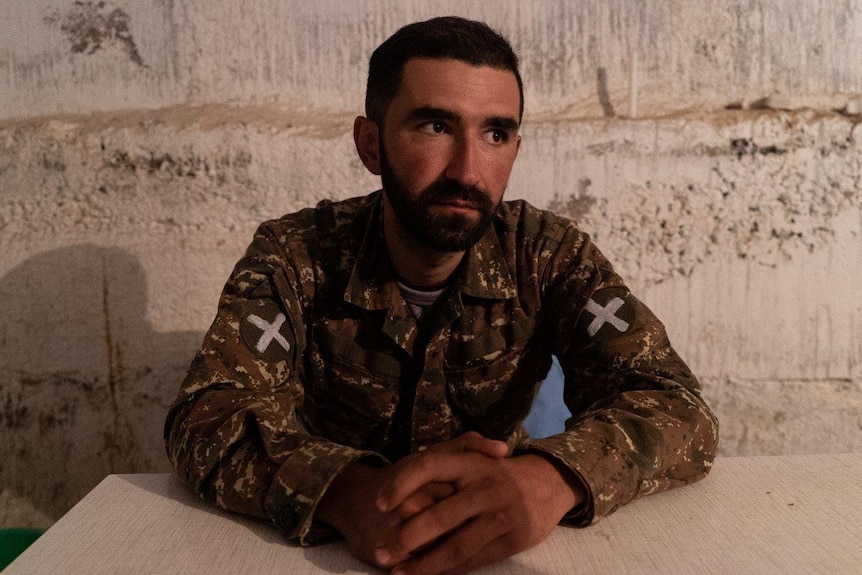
[
  {"x": 491, "y": 378},
  {"x": 353, "y": 390}
]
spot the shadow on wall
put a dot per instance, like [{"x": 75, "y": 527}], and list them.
[{"x": 85, "y": 381}]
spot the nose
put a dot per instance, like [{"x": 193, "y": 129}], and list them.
[{"x": 463, "y": 166}]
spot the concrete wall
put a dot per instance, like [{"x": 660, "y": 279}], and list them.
[{"x": 141, "y": 143}]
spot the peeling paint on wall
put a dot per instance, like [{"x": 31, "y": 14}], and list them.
[
  {"x": 191, "y": 164},
  {"x": 762, "y": 198},
  {"x": 93, "y": 26},
  {"x": 291, "y": 49}
]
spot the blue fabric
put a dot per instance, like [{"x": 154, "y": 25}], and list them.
[{"x": 549, "y": 413}]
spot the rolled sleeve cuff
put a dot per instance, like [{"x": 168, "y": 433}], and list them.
[
  {"x": 299, "y": 486},
  {"x": 610, "y": 479}
]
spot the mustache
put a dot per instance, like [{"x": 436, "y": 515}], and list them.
[{"x": 446, "y": 190}]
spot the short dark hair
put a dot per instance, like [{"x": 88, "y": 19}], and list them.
[{"x": 439, "y": 38}]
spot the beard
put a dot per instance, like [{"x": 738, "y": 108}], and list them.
[{"x": 445, "y": 232}]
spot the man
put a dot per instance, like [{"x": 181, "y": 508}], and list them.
[{"x": 372, "y": 359}]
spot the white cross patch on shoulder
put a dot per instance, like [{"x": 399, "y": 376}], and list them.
[
  {"x": 607, "y": 314},
  {"x": 267, "y": 332}
]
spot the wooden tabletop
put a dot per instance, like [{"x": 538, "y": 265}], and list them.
[{"x": 759, "y": 515}]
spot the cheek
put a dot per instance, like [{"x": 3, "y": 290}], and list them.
[
  {"x": 421, "y": 168},
  {"x": 498, "y": 176}
]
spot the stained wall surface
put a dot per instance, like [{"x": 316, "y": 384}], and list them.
[{"x": 142, "y": 142}]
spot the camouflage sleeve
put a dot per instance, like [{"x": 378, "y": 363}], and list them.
[
  {"x": 639, "y": 424},
  {"x": 232, "y": 433}
]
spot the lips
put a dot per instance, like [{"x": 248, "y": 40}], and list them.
[{"x": 457, "y": 203}]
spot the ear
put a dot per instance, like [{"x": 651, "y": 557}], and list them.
[{"x": 366, "y": 136}]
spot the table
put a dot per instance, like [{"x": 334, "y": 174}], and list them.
[{"x": 781, "y": 514}]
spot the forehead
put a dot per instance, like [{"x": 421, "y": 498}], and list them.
[{"x": 457, "y": 86}]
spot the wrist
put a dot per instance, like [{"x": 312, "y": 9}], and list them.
[
  {"x": 337, "y": 507},
  {"x": 566, "y": 489}
]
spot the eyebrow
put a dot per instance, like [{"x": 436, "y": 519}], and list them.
[
  {"x": 432, "y": 113},
  {"x": 504, "y": 123}
]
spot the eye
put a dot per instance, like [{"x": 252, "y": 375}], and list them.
[
  {"x": 496, "y": 136},
  {"x": 433, "y": 127}
]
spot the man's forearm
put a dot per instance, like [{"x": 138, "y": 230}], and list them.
[
  {"x": 230, "y": 456},
  {"x": 643, "y": 442},
  {"x": 238, "y": 482}
]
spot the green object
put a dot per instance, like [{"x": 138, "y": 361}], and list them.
[{"x": 13, "y": 542}]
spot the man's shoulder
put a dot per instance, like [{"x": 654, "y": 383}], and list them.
[{"x": 525, "y": 219}]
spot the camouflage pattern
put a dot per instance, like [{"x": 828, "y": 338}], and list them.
[{"x": 315, "y": 360}]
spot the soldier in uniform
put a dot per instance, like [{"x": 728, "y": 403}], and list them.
[{"x": 372, "y": 359}]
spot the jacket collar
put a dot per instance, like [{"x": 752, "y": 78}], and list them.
[{"x": 483, "y": 273}]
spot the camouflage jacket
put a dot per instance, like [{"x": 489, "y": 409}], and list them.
[{"x": 315, "y": 360}]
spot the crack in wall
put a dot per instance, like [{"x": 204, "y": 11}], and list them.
[{"x": 115, "y": 375}]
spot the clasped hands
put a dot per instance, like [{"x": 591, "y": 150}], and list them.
[{"x": 457, "y": 506}]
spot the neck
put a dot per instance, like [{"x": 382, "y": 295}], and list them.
[{"x": 415, "y": 264}]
